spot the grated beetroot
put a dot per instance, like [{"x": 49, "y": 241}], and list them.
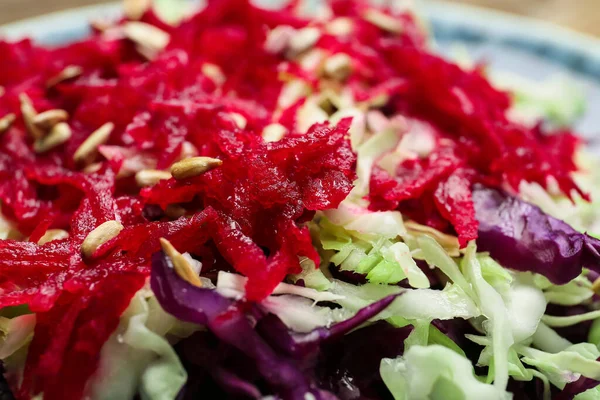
[
  {"x": 466, "y": 111},
  {"x": 250, "y": 209},
  {"x": 246, "y": 215},
  {"x": 260, "y": 191}
]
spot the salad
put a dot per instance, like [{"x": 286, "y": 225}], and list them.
[{"x": 293, "y": 203}]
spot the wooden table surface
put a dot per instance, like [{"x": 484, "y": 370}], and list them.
[{"x": 581, "y": 15}]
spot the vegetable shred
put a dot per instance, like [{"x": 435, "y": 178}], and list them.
[{"x": 239, "y": 201}]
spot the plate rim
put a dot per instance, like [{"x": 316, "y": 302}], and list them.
[
  {"x": 32, "y": 26},
  {"x": 501, "y": 21}
]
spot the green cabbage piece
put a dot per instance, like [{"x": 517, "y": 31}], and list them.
[
  {"x": 494, "y": 274},
  {"x": 546, "y": 339},
  {"x": 16, "y": 332},
  {"x": 435, "y": 255},
  {"x": 435, "y": 373},
  {"x": 560, "y": 322},
  {"x": 313, "y": 277},
  {"x": 512, "y": 306},
  {"x": 398, "y": 254},
  {"x": 138, "y": 358},
  {"x": 498, "y": 320},
  {"x": 368, "y": 243},
  {"x": 508, "y": 307},
  {"x": 590, "y": 394},
  {"x": 301, "y": 315},
  {"x": 594, "y": 333},
  {"x": 575, "y": 292},
  {"x": 438, "y": 338},
  {"x": 414, "y": 304},
  {"x": 566, "y": 366}
]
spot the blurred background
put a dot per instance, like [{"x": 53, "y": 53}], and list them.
[{"x": 580, "y": 15}]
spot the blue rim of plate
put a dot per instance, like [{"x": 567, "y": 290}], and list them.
[
  {"x": 59, "y": 27},
  {"x": 577, "y": 52}
]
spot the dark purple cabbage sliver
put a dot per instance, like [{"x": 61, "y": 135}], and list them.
[
  {"x": 299, "y": 345},
  {"x": 181, "y": 299},
  {"x": 215, "y": 369},
  {"x": 228, "y": 323},
  {"x": 520, "y": 236},
  {"x": 235, "y": 384},
  {"x": 267, "y": 343},
  {"x": 5, "y": 391},
  {"x": 349, "y": 366}
]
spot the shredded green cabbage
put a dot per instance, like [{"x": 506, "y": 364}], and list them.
[
  {"x": 590, "y": 394},
  {"x": 437, "y": 373},
  {"x": 369, "y": 243},
  {"x": 566, "y": 366},
  {"x": 138, "y": 358}
]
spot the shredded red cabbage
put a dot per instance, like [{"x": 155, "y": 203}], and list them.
[
  {"x": 521, "y": 236},
  {"x": 278, "y": 355}
]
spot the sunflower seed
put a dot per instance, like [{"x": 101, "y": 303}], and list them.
[
  {"x": 70, "y": 72},
  {"x": 92, "y": 168},
  {"x": 273, "y": 132},
  {"x": 292, "y": 92},
  {"x": 150, "y": 177},
  {"x": 6, "y": 122},
  {"x": 312, "y": 60},
  {"x": 239, "y": 120},
  {"x": 194, "y": 166},
  {"x": 53, "y": 234},
  {"x": 383, "y": 21},
  {"x": 146, "y": 52},
  {"x": 59, "y": 134},
  {"x": 47, "y": 119},
  {"x": 150, "y": 39},
  {"x": 303, "y": 40},
  {"x": 338, "y": 66},
  {"x": 181, "y": 266},
  {"x": 88, "y": 149},
  {"x": 279, "y": 39},
  {"x": 102, "y": 234},
  {"x": 29, "y": 113},
  {"x": 214, "y": 72},
  {"x": 341, "y": 26},
  {"x": 134, "y": 9}
]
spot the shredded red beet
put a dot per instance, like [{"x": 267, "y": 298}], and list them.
[
  {"x": 260, "y": 191},
  {"x": 471, "y": 115},
  {"x": 247, "y": 214}
]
